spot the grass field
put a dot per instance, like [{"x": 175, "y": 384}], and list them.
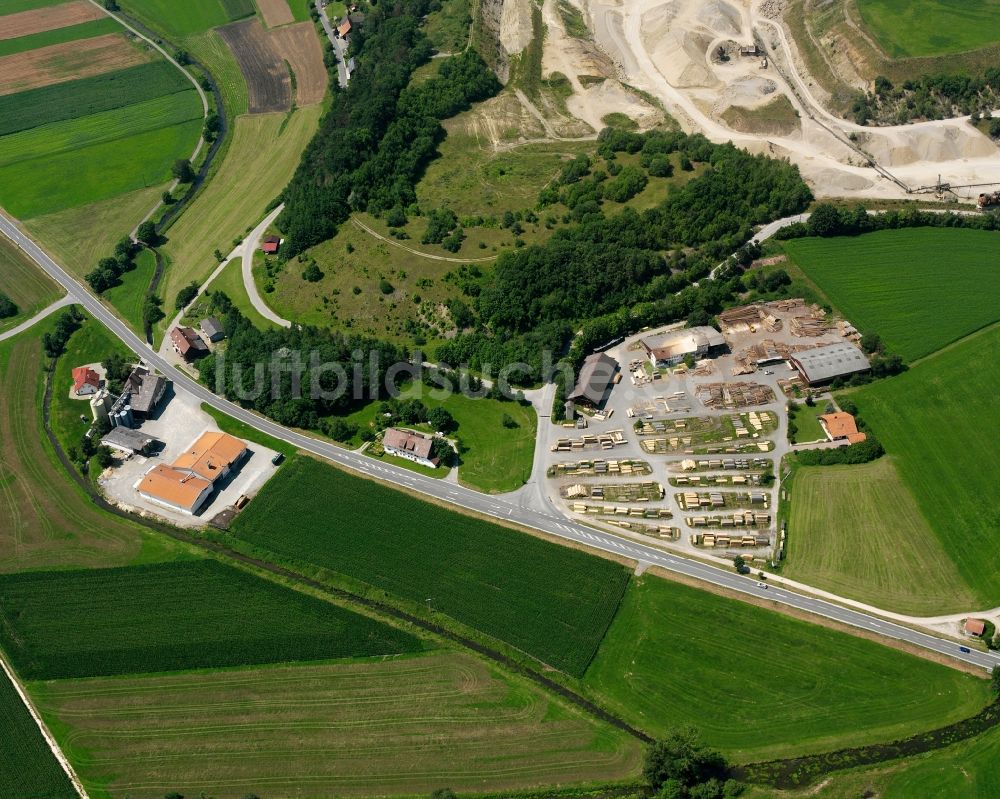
[
  {"x": 761, "y": 685},
  {"x": 494, "y": 458},
  {"x": 549, "y": 601},
  {"x": 15, "y": 6},
  {"x": 919, "y": 288},
  {"x": 79, "y": 237},
  {"x": 177, "y": 18},
  {"x": 939, "y": 422},
  {"x": 24, "y": 283},
  {"x": 28, "y": 770},
  {"x": 79, "y": 98},
  {"x": 100, "y": 171},
  {"x": 807, "y": 423},
  {"x": 130, "y": 295},
  {"x": 49, "y": 523},
  {"x": 857, "y": 531},
  {"x": 931, "y": 27},
  {"x": 105, "y": 126},
  {"x": 173, "y": 616},
  {"x": 85, "y": 30},
  {"x": 230, "y": 282},
  {"x": 403, "y": 726},
  {"x": 263, "y": 155},
  {"x": 209, "y": 49}
]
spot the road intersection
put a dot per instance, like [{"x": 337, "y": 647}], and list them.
[{"x": 541, "y": 516}]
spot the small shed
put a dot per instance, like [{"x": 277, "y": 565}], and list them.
[
  {"x": 213, "y": 329},
  {"x": 271, "y": 245},
  {"x": 975, "y": 627}
]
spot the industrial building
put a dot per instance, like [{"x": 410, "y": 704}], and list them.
[
  {"x": 595, "y": 380},
  {"x": 672, "y": 349},
  {"x": 821, "y": 365},
  {"x": 188, "y": 482},
  {"x": 129, "y": 441}
]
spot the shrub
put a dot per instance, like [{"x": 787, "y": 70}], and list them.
[
  {"x": 7, "y": 306},
  {"x": 186, "y": 295}
]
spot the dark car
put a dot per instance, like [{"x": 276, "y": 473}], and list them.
[
  {"x": 964, "y": 649},
  {"x": 277, "y": 459}
]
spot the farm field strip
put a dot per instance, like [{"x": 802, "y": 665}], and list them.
[
  {"x": 30, "y": 21},
  {"x": 300, "y": 47},
  {"x": 50, "y": 523},
  {"x": 27, "y": 765},
  {"x": 87, "y": 96},
  {"x": 268, "y": 81},
  {"x": 918, "y": 288},
  {"x": 68, "y": 61},
  {"x": 931, "y": 27},
  {"x": 210, "y": 49},
  {"x": 400, "y": 726},
  {"x": 549, "y": 601},
  {"x": 762, "y": 685},
  {"x": 275, "y": 12},
  {"x": 22, "y": 281},
  {"x": 174, "y": 616},
  {"x": 105, "y": 126},
  {"x": 17, "y": 6},
  {"x": 100, "y": 171},
  {"x": 939, "y": 422},
  {"x": 177, "y": 18},
  {"x": 129, "y": 296},
  {"x": 857, "y": 531},
  {"x": 86, "y": 30}
]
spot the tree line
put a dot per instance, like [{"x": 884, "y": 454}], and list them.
[
  {"x": 828, "y": 220},
  {"x": 930, "y": 96},
  {"x": 379, "y": 133}
]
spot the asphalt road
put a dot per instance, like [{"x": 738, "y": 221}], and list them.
[{"x": 548, "y": 521}]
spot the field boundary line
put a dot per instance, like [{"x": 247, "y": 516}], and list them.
[
  {"x": 53, "y": 746},
  {"x": 972, "y": 334}
]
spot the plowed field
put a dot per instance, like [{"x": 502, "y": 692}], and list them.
[
  {"x": 45, "y": 19},
  {"x": 266, "y": 74},
  {"x": 300, "y": 47},
  {"x": 276, "y": 12}
]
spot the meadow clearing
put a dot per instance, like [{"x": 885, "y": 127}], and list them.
[
  {"x": 857, "y": 531},
  {"x": 549, "y": 601},
  {"x": 493, "y": 458},
  {"x": 50, "y": 522},
  {"x": 938, "y": 421},
  {"x": 28, "y": 769},
  {"x": 26, "y": 284},
  {"x": 174, "y": 616},
  {"x": 401, "y": 726},
  {"x": 762, "y": 685},
  {"x": 931, "y": 27},
  {"x": 918, "y": 288}
]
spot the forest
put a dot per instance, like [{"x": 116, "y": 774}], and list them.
[
  {"x": 378, "y": 135},
  {"x": 933, "y": 96}
]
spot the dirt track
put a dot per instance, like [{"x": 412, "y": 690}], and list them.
[
  {"x": 68, "y": 61},
  {"x": 24, "y": 23},
  {"x": 275, "y": 12},
  {"x": 299, "y": 46},
  {"x": 269, "y": 84}
]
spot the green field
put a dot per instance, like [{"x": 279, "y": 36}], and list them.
[
  {"x": 71, "y": 33},
  {"x": 494, "y": 458},
  {"x": 547, "y": 600},
  {"x": 79, "y": 98},
  {"x": 761, "y": 685},
  {"x": 209, "y": 49},
  {"x": 939, "y": 422},
  {"x": 129, "y": 296},
  {"x": 177, "y": 18},
  {"x": 105, "y": 126},
  {"x": 230, "y": 282},
  {"x": 100, "y": 171},
  {"x": 931, "y": 27},
  {"x": 173, "y": 616},
  {"x": 404, "y": 726},
  {"x": 14, "y": 6},
  {"x": 264, "y": 153},
  {"x": 918, "y": 288},
  {"x": 857, "y": 531},
  {"x": 26, "y": 284},
  {"x": 807, "y": 423},
  {"x": 79, "y": 237},
  {"x": 28, "y": 770},
  {"x": 49, "y": 523}
]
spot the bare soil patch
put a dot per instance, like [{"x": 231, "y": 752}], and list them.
[
  {"x": 270, "y": 87},
  {"x": 299, "y": 46},
  {"x": 68, "y": 61},
  {"x": 24, "y": 23},
  {"x": 276, "y": 12}
]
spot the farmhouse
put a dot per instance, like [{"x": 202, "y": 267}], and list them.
[
  {"x": 187, "y": 343},
  {"x": 271, "y": 245},
  {"x": 188, "y": 482},
  {"x": 839, "y": 426},
  {"x": 821, "y": 365},
  {"x": 975, "y": 627},
  {"x": 596, "y": 377},
  {"x": 213, "y": 329},
  {"x": 85, "y": 381},
  {"x": 344, "y": 28},
  {"x": 673, "y": 348},
  {"x": 412, "y": 446},
  {"x": 127, "y": 440}
]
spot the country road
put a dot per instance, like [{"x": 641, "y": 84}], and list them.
[{"x": 545, "y": 519}]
